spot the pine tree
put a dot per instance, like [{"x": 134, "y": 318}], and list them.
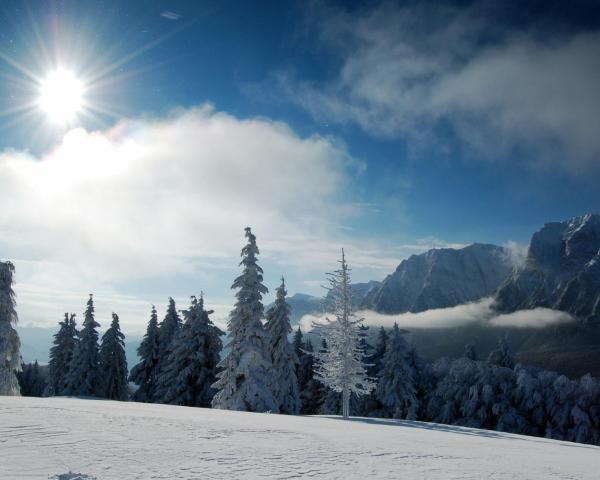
[
  {"x": 312, "y": 392},
  {"x": 376, "y": 358},
  {"x": 283, "y": 356},
  {"x": 244, "y": 382},
  {"x": 341, "y": 367},
  {"x": 191, "y": 367},
  {"x": 144, "y": 373},
  {"x": 84, "y": 374},
  {"x": 167, "y": 330},
  {"x": 168, "y": 327},
  {"x": 61, "y": 354},
  {"x": 396, "y": 387},
  {"x": 298, "y": 346},
  {"x": 113, "y": 364},
  {"x": 503, "y": 356},
  {"x": 10, "y": 360}
]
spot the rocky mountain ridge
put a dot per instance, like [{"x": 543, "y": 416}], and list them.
[
  {"x": 562, "y": 271},
  {"x": 441, "y": 278}
]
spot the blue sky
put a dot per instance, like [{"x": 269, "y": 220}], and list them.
[{"x": 387, "y": 128}]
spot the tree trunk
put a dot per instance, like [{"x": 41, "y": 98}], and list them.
[{"x": 346, "y": 403}]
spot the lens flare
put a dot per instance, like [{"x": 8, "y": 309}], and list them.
[{"x": 61, "y": 96}]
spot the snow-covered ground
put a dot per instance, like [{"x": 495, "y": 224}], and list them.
[{"x": 48, "y": 438}]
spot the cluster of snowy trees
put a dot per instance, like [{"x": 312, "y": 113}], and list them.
[
  {"x": 81, "y": 365},
  {"x": 497, "y": 395},
  {"x": 262, "y": 370},
  {"x": 179, "y": 357},
  {"x": 493, "y": 394}
]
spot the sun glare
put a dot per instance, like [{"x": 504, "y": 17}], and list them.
[{"x": 61, "y": 96}]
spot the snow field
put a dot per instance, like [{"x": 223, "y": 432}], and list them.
[{"x": 43, "y": 438}]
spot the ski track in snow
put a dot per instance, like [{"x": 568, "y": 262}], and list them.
[{"x": 53, "y": 437}]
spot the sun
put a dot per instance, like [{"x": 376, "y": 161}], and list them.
[{"x": 61, "y": 96}]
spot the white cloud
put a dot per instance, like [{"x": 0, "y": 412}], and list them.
[
  {"x": 470, "y": 313},
  {"x": 535, "y": 318},
  {"x": 169, "y": 189},
  {"x": 167, "y": 199},
  {"x": 516, "y": 253},
  {"x": 405, "y": 70}
]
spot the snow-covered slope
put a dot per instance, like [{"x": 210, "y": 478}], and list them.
[
  {"x": 562, "y": 270},
  {"x": 48, "y": 438},
  {"x": 441, "y": 278}
]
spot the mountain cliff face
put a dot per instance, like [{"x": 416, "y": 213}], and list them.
[
  {"x": 441, "y": 278},
  {"x": 562, "y": 270}
]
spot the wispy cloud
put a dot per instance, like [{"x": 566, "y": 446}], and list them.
[
  {"x": 170, "y": 15},
  {"x": 480, "y": 312},
  {"x": 406, "y": 70},
  {"x": 535, "y": 318},
  {"x": 516, "y": 253}
]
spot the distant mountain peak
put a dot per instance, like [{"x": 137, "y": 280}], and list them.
[
  {"x": 562, "y": 270},
  {"x": 441, "y": 277}
]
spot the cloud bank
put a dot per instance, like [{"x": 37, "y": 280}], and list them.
[
  {"x": 168, "y": 190},
  {"x": 411, "y": 71},
  {"x": 479, "y": 312}
]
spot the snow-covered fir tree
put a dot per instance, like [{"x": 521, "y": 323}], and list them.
[
  {"x": 144, "y": 374},
  {"x": 503, "y": 356},
  {"x": 244, "y": 382},
  {"x": 341, "y": 367},
  {"x": 84, "y": 372},
  {"x": 283, "y": 356},
  {"x": 191, "y": 367},
  {"x": 396, "y": 386},
  {"x": 168, "y": 327},
  {"x": 10, "y": 359},
  {"x": 113, "y": 363},
  {"x": 167, "y": 330},
  {"x": 61, "y": 355}
]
